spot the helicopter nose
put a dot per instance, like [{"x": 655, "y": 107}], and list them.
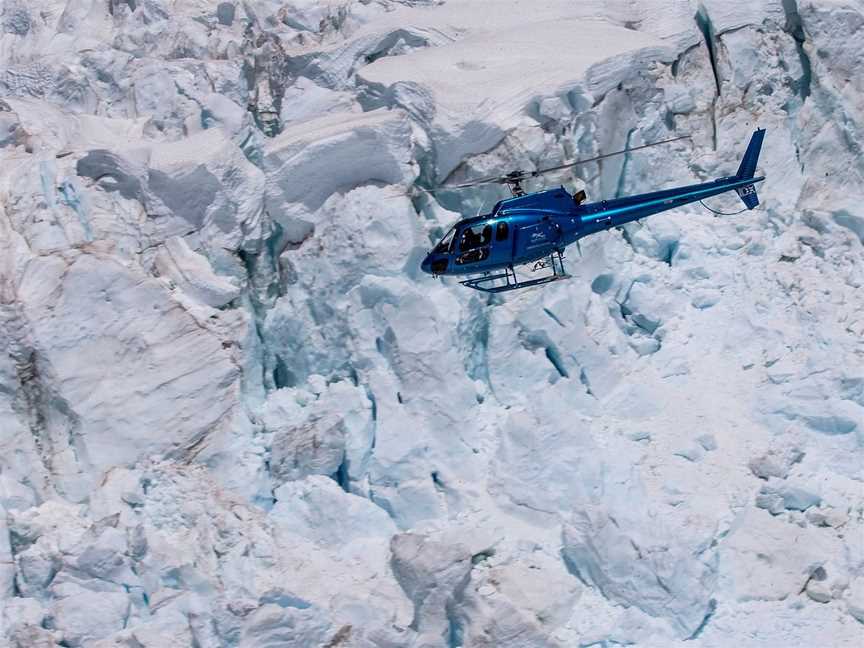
[{"x": 434, "y": 265}]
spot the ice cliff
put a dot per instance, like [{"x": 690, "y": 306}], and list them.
[{"x": 234, "y": 414}]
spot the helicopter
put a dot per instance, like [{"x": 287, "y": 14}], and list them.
[{"x": 535, "y": 228}]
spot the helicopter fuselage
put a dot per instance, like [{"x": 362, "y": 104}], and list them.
[{"x": 531, "y": 227}]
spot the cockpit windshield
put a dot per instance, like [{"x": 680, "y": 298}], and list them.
[{"x": 444, "y": 246}]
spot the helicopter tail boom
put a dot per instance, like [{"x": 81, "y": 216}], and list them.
[{"x": 747, "y": 169}]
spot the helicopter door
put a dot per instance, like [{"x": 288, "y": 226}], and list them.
[{"x": 537, "y": 239}]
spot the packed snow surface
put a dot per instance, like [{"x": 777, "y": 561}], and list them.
[{"x": 233, "y": 413}]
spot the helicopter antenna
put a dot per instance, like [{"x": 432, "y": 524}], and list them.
[{"x": 480, "y": 209}]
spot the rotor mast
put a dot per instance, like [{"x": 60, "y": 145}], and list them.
[{"x": 513, "y": 180}]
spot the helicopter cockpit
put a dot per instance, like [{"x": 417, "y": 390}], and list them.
[
  {"x": 469, "y": 243},
  {"x": 444, "y": 247}
]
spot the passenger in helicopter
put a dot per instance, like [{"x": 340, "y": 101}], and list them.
[
  {"x": 473, "y": 256},
  {"x": 475, "y": 236}
]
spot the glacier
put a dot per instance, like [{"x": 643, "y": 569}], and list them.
[{"x": 234, "y": 413}]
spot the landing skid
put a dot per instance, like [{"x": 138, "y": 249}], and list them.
[{"x": 491, "y": 283}]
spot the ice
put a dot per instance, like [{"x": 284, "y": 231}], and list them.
[
  {"x": 319, "y": 434},
  {"x": 748, "y": 577},
  {"x": 274, "y": 625},
  {"x": 855, "y": 598},
  {"x": 317, "y": 509},
  {"x": 308, "y": 162},
  {"x": 495, "y": 87},
  {"x": 124, "y": 311},
  {"x": 234, "y": 413},
  {"x": 192, "y": 273},
  {"x": 434, "y": 576},
  {"x": 86, "y": 615},
  {"x": 629, "y": 570},
  {"x": 306, "y": 100}
]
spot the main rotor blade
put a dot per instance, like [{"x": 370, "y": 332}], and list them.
[
  {"x": 414, "y": 191},
  {"x": 532, "y": 174},
  {"x": 474, "y": 182},
  {"x": 501, "y": 179},
  {"x": 524, "y": 175}
]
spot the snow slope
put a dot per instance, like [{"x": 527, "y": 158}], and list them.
[{"x": 234, "y": 413}]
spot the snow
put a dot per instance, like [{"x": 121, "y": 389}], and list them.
[
  {"x": 501, "y": 70},
  {"x": 234, "y": 413}
]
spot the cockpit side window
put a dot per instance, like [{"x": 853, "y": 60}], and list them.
[
  {"x": 502, "y": 231},
  {"x": 476, "y": 236},
  {"x": 444, "y": 246}
]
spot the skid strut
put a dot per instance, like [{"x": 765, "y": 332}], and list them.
[{"x": 492, "y": 283}]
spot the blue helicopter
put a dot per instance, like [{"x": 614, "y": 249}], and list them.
[{"x": 535, "y": 228}]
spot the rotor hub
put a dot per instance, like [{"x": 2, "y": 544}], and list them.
[{"x": 514, "y": 181}]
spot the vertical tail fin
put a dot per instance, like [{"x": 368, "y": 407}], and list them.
[
  {"x": 747, "y": 169},
  {"x": 751, "y": 157}
]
